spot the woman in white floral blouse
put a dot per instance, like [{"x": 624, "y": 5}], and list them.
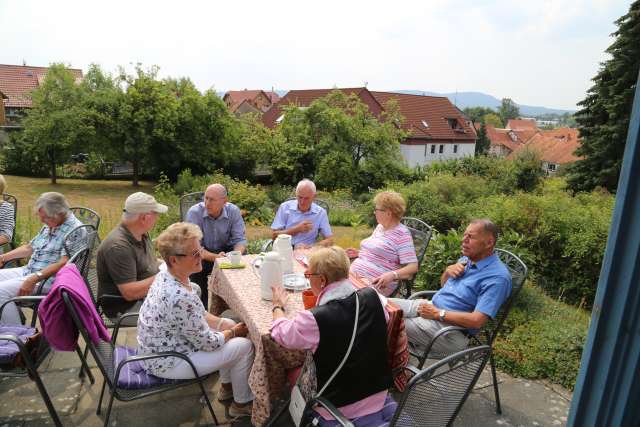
[{"x": 172, "y": 318}]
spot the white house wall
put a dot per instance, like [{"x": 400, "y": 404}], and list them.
[{"x": 417, "y": 155}]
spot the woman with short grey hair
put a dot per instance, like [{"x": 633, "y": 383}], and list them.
[
  {"x": 45, "y": 251},
  {"x": 7, "y": 218}
]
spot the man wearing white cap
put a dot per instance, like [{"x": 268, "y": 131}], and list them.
[{"x": 126, "y": 261}]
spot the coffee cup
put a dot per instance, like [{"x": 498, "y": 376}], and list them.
[
  {"x": 235, "y": 257},
  {"x": 309, "y": 299}
]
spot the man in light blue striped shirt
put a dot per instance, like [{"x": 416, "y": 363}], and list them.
[{"x": 45, "y": 251}]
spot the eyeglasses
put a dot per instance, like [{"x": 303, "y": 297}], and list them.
[
  {"x": 309, "y": 275},
  {"x": 196, "y": 254},
  {"x": 379, "y": 210}
]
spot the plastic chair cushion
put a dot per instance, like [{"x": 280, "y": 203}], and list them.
[
  {"x": 9, "y": 349},
  {"x": 133, "y": 376}
]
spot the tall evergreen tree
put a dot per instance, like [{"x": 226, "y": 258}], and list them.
[
  {"x": 482, "y": 143},
  {"x": 604, "y": 118}
]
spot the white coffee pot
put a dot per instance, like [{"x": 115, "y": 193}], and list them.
[
  {"x": 282, "y": 245},
  {"x": 268, "y": 268}
]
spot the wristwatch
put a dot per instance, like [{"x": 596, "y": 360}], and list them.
[
  {"x": 442, "y": 314},
  {"x": 39, "y": 274}
]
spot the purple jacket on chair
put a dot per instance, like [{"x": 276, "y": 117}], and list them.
[{"x": 57, "y": 324}]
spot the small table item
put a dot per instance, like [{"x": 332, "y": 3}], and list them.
[{"x": 295, "y": 282}]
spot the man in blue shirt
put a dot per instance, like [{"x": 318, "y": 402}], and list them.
[
  {"x": 303, "y": 219},
  {"x": 473, "y": 289},
  {"x": 222, "y": 228}
]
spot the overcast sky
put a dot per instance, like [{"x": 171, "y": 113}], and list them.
[{"x": 535, "y": 52}]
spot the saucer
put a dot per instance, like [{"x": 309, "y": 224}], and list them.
[{"x": 295, "y": 282}]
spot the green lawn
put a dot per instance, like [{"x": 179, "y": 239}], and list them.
[{"x": 107, "y": 198}]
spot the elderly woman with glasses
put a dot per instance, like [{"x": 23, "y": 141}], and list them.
[
  {"x": 172, "y": 318},
  {"x": 388, "y": 255},
  {"x": 359, "y": 389}
]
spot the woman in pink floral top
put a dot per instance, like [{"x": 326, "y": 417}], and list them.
[
  {"x": 172, "y": 318},
  {"x": 388, "y": 255}
]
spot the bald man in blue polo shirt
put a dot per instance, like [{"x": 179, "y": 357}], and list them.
[{"x": 473, "y": 289}]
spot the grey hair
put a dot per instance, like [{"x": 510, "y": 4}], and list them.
[
  {"x": 53, "y": 204},
  {"x": 129, "y": 217},
  {"x": 306, "y": 183},
  {"x": 488, "y": 227}
]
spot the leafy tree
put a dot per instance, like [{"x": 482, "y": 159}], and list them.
[
  {"x": 148, "y": 116},
  {"x": 482, "y": 143},
  {"x": 340, "y": 143},
  {"x": 57, "y": 122},
  {"x": 604, "y": 118},
  {"x": 508, "y": 110},
  {"x": 477, "y": 114},
  {"x": 493, "y": 119}
]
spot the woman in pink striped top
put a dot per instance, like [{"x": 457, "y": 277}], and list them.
[{"x": 388, "y": 255}]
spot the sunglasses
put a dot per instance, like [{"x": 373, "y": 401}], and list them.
[
  {"x": 309, "y": 275},
  {"x": 196, "y": 254}
]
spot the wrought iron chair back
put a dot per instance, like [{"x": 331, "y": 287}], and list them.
[
  {"x": 421, "y": 233},
  {"x": 433, "y": 396},
  {"x": 189, "y": 200},
  {"x": 86, "y": 216}
]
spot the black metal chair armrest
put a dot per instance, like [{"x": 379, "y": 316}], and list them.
[
  {"x": 265, "y": 245},
  {"x": 21, "y": 347},
  {"x": 109, "y": 298},
  {"x": 441, "y": 333},
  {"x": 160, "y": 355},
  {"x": 423, "y": 295},
  {"x": 34, "y": 299},
  {"x": 331, "y": 409},
  {"x": 119, "y": 322}
]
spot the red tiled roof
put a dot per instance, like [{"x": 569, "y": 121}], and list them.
[
  {"x": 18, "y": 81},
  {"x": 525, "y": 135},
  {"x": 433, "y": 110},
  {"x": 522, "y": 124},
  {"x": 303, "y": 98},
  {"x": 499, "y": 136},
  {"x": 237, "y": 97},
  {"x": 554, "y": 146}
]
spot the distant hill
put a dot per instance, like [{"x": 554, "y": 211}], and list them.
[{"x": 478, "y": 99}]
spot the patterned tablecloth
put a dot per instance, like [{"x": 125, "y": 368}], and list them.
[{"x": 239, "y": 290}]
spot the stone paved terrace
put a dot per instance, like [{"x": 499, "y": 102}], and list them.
[{"x": 525, "y": 403}]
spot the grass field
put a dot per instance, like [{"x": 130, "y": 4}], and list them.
[{"x": 107, "y": 198}]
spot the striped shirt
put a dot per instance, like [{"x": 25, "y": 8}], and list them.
[
  {"x": 384, "y": 251},
  {"x": 7, "y": 223}
]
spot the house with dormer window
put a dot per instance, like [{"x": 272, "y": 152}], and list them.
[{"x": 437, "y": 130}]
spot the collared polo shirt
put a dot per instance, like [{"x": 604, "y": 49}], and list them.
[
  {"x": 123, "y": 259},
  {"x": 483, "y": 287},
  {"x": 221, "y": 233},
  {"x": 289, "y": 215}
]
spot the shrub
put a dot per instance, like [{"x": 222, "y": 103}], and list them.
[{"x": 542, "y": 338}]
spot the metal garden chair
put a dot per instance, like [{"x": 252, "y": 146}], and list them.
[
  {"x": 421, "y": 233},
  {"x": 432, "y": 397},
  {"x": 105, "y": 354},
  {"x": 86, "y": 216},
  {"x": 31, "y": 365},
  {"x": 488, "y": 333},
  {"x": 267, "y": 244},
  {"x": 189, "y": 200}
]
